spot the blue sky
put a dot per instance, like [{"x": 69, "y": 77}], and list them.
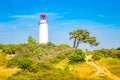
[{"x": 19, "y": 19}]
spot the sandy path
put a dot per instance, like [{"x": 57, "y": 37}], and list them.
[{"x": 100, "y": 70}]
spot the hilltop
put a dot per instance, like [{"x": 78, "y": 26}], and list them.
[{"x": 57, "y": 62}]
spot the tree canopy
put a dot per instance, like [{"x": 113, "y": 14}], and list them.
[
  {"x": 82, "y": 36},
  {"x": 31, "y": 40}
]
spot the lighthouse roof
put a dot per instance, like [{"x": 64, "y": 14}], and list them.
[{"x": 43, "y": 15}]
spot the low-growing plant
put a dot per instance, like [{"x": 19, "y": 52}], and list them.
[
  {"x": 43, "y": 74},
  {"x": 12, "y": 62},
  {"x": 62, "y": 55},
  {"x": 45, "y": 66},
  {"x": 21, "y": 62},
  {"x": 97, "y": 55},
  {"x": 77, "y": 56},
  {"x": 39, "y": 52},
  {"x": 2, "y": 58},
  {"x": 25, "y": 63},
  {"x": 64, "y": 46}
]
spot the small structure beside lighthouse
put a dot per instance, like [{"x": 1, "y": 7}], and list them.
[{"x": 43, "y": 29}]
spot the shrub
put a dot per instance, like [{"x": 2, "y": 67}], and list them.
[
  {"x": 62, "y": 55},
  {"x": 11, "y": 48},
  {"x": 43, "y": 75},
  {"x": 97, "y": 55},
  {"x": 25, "y": 63},
  {"x": 12, "y": 62},
  {"x": 64, "y": 46},
  {"x": 116, "y": 55},
  {"x": 51, "y": 44},
  {"x": 104, "y": 52},
  {"x": 26, "y": 49},
  {"x": 39, "y": 52},
  {"x": 118, "y": 48},
  {"x": 77, "y": 56},
  {"x": 45, "y": 66},
  {"x": 2, "y": 58},
  {"x": 33, "y": 68},
  {"x": 22, "y": 62}
]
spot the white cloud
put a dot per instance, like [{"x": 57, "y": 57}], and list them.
[{"x": 23, "y": 16}]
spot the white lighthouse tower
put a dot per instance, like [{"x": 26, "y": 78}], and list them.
[{"x": 43, "y": 29}]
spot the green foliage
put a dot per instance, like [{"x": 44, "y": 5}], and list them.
[
  {"x": 43, "y": 75},
  {"x": 25, "y": 63},
  {"x": 77, "y": 56},
  {"x": 97, "y": 55},
  {"x": 118, "y": 48},
  {"x": 66, "y": 68},
  {"x": 105, "y": 52},
  {"x": 82, "y": 36},
  {"x": 51, "y": 44},
  {"x": 58, "y": 58},
  {"x": 62, "y": 55},
  {"x": 11, "y": 48},
  {"x": 45, "y": 71},
  {"x": 31, "y": 40},
  {"x": 28, "y": 48},
  {"x": 2, "y": 58},
  {"x": 64, "y": 46},
  {"x": 92, "y": 41},
  {"x": 20, "y": 61},
  {"x": 12, "y": 62},
  {"x": 39, "y": 52},
  {"x": 116, "y": 54},
  {"x": 45, "y": 66}
]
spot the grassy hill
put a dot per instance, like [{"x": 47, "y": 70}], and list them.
[{"x": 57, "y": 62}]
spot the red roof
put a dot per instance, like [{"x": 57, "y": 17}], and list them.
[{"x": 43, "y": 15}]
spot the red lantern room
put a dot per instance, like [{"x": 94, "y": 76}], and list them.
[{"x": 43, "y": 16}]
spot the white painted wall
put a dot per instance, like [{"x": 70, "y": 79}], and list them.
[{"x": 43, "y": 32}]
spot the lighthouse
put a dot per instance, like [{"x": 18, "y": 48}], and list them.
[{"x": 43, "y": 29}]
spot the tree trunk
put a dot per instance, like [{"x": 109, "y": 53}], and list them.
[
  {"x": 77, "y": 43},
  {"x": 74, "y": 42}
]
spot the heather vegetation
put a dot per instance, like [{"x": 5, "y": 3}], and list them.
[{"x": 33, "y": 61}]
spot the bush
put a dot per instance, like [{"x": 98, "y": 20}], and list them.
[
  {"x": 77, "y": 56},
  {"x": 58, "y": 58},
  {"x": 51, "y": 44},
  {"x": 22, "y": 62},
  {"x": 64, "y": 46},
  {"x": 39, "y": 52},
  {"x": 43, "y": 75},
  {"x": 104, "y": 52},
  {"x": 2, "y": 58},
  {"x": 26, "y": 49},
  {"x": 25, "y": 63},
  {"x": 11, "y": 48},
  {"x": 12, "y": 62},
  {"x": 118, "y": 48},
  {"x": 45, "y": 66},
  {"x": 62, "y": 55},
  {"x": 33, "y": 68},
  {"x": 97, "y": 55},
  {"x": 116, "y": 55}
]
